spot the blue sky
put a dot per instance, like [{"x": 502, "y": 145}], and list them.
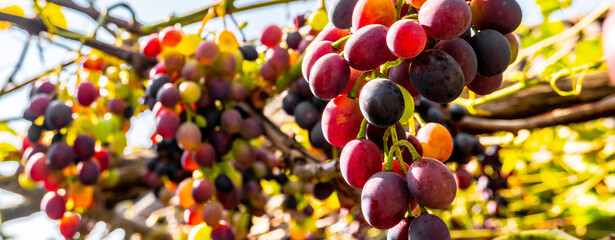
[{"x": 148, "y": 11}]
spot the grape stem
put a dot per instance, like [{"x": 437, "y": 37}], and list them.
[
  {"x": 411, "y": 16},
  {"x": 423, "y": 209},
  {"x": 361, "y": 134},
  {"x": 400, "y": 143},
  {"x": 420, "y": 119},
  {"x": 353, "y": 93},
  {"x": 337, "y": 45},
  {"x": 391, "y": 132},
  {"x": 398, "y": 6},
  {"x": 390, "y": 64}
]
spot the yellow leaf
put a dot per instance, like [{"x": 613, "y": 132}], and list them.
[
  {"x": 13, "y": 10},
  {"x": 55, "y": 15}
]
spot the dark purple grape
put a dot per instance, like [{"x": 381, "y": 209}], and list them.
[
  {"x": 60, "y": 155},
  {"x": 42, "y": 86},
  {"x": 168, "y": 95},
  {"x": 340, "y": 13},
  {"x": 57, "y": 115},
  {"x": 192, "y": 71},
  {"x": 381, "y": 102},
  {"x": 485, "y": 85},
  {"x": 156, "y": 83},
  {"x": 88, "y": 172},
  {"x": 219, "y": 89},
  {"x": 243, "y": 154},
  {"x": 223, "y": 184},
  {"x": 323, "y": 190},
  {"x": 293, "y": 39},
  {"x": 437, "y": 76},
  {"x": 306, "y": 115},
  {"x": 268, "y": 71},
  {"x": 303, "y": 89},
  {"x": 428, "y": 226},
  {"x": 290, "y": 100},
  {"x": 248, "y": 52},
  {"x": 492, "y": 52},
  {"x": 34, "y": 132},
  {"x": 38, "y": 104},
  {"x": 503, "y": 16},
  {"x": 457, "y": 112},
  {"x": 84, "y": 146},
  {"x": 463, "y": 53},
  {"x": 221, "y": 142},
  {"x": 384, "y": 200},
  {"x": 252, "y": 128},
  {"x": 317, "y": 138}
]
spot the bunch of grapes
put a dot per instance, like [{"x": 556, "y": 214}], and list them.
[
  {"x": 400, "y": 54},
  {"x": 71, "y": 143}
]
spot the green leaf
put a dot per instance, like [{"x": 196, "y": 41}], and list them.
[
  {"x": 549, "y": 6},
  {"x": 588, "y": 51}
]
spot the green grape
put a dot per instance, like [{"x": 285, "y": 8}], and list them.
[
  {"x": 102, "y": 129},
  {"x": 318, "y": 20},
  {"x": 116, "y": 121},
  {"x": 409, "y": 109},
  {"x": 118, "y": 143},
  {"x": 82, "y": 124},
  {"x": 113, "y": 74},
  {"x": 122, "y": 91},
  {"x": 110, "y": 178}
]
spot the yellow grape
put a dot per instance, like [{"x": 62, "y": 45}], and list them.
[
  {"x": 102, "y": 129},
  {"x": 25, "y": 182},
  {"x": 318, "y": 20},
  {"x": 119, "y": 143},
  {"x": 189, "y": 91},
  {"x": 201, "y": 231},
  {"x": 187, "y": 46},
  {"x": 83, "y": 124},
  {"x": 409, "y": 109},
  {"x": 227, "y": 42}
]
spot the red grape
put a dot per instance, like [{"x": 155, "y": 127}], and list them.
[
  {"x": 212, "y": 213},
  {"x": 152, "y": 46},
  {"x": 359, "y": 160},
  {"x": 271, "y": 36},
  {"x": 431, "y": 183},
  {"x": 53, "y": 205},
  {"x": 341, "y": 120},
  {"x": 368, "y": 12},
  {"x": 69, "y": 224},
  {"x": 406, "y": 38},
  {"x": 384, "y": 200},
  {"x": 445, "y": 19},
  {"x": 399, "y": 74},
  {"x": 36, "y": 168},
  {"x": 88, "y": 172},
  {"x": 231, "y": 121},
  {"x": 167, "y": 123},
  {"x": 86, "y": 93},
  {"x": 485, "y": 85},
  {"x": 188, "y": 136},
  {"x": 170, "y": 36},
  {"x": 84, "y": 146},
  {"x": 168, "y": 95},
  {"x": 367, "y": 49},
  {"x": 314, "y": 52},
  {"x": 38, "y": 104},
  {"x": 329, "y": 76}
]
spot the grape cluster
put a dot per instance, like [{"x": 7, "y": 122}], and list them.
[
  {"x": 398, "y": 58},
  {"x": 67, "y": 148}
]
